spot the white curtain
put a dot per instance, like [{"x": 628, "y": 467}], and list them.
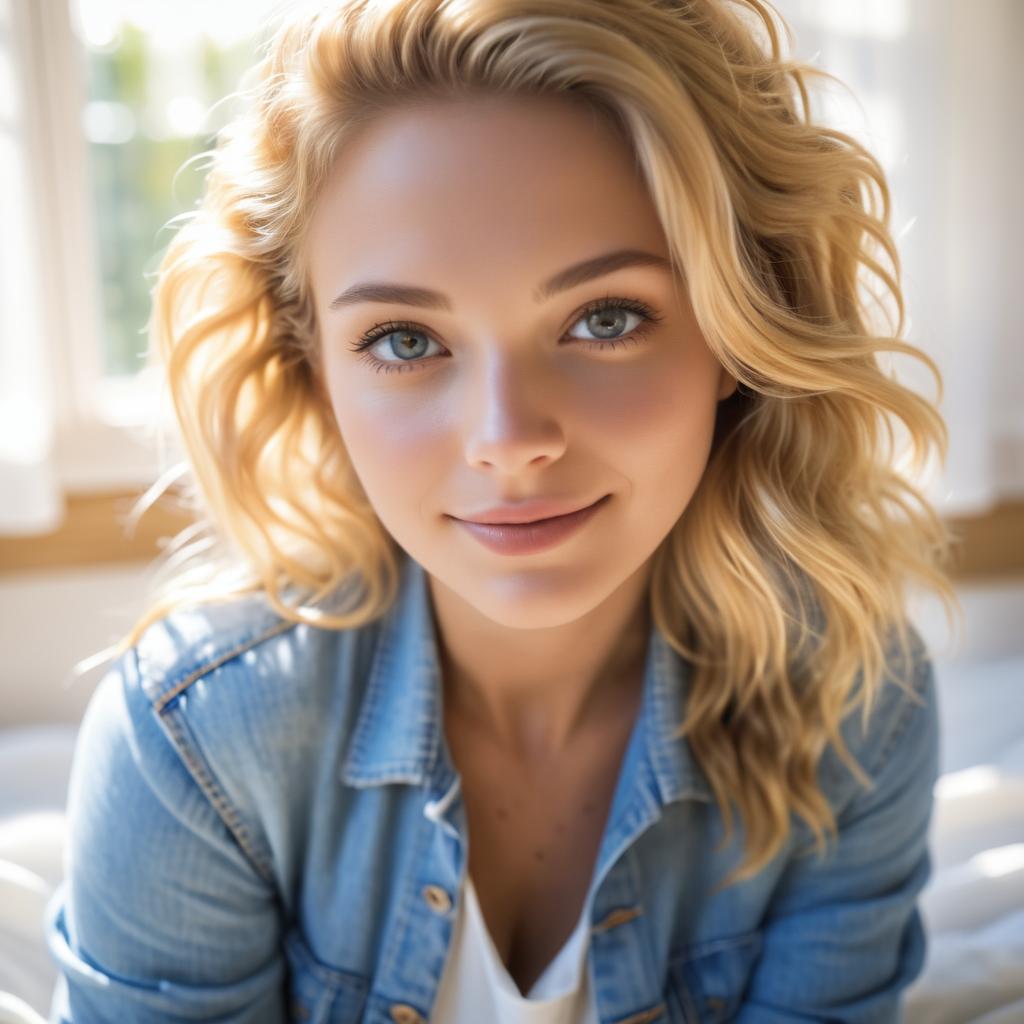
[
  {"x": 942, "y": 109},
  {"x": 30, "y": 495}
]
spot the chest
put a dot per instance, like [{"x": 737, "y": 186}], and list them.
[{"x": 534, "y": 830}]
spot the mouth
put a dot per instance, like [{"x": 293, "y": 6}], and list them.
[
  {"x": 532, "y": 537},
  {"x": 553, "y": 519},
  {"x": 514, "y": 516}
]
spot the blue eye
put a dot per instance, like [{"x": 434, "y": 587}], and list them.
[{"x": 603, "y": 317}]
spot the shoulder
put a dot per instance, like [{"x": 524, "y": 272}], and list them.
[
  {"x": 245, "y": 701},
  {"x": 901, "y": 724},
  {"x": 210, "y": 658},
  {"x": 233, "y": 708},
  {"x": 192, "y": 640}
]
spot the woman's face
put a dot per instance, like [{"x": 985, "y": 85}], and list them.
[{"x": 501, "y": 390}]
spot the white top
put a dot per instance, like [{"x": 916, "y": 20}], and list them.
[{"x": 475, "y": 985}]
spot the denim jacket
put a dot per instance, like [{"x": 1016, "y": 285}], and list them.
[{"x": 265, "y": 825}]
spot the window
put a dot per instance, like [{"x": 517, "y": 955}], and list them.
[
  {"x": 158, "y": 77},
  {"x": 102, "y": 105}
]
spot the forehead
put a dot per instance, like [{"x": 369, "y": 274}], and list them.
[{"x": 485, "y": 179}]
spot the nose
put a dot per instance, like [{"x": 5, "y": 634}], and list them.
[{"x": 515, "y": 416}]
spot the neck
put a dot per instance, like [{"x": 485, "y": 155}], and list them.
[{"x": 534, "y": 692}]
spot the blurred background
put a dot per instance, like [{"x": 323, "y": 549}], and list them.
[{"x": 105, "y": 109}]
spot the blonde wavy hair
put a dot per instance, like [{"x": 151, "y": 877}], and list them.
[{"x": 783, "y": 582}]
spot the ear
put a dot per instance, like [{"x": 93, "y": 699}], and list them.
[{"x": 726, "y": 384}]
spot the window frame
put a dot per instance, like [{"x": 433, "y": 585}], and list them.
[{"x": 101, "y": 440}]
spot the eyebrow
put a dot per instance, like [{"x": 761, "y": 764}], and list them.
[{"x": 577, "y": 274}]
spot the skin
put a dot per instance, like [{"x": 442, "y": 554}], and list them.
[{"x": 482, "y": 199}]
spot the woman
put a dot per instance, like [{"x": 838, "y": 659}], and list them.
[{"x": 537, "y": 420}]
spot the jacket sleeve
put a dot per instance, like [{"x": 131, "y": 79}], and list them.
[
  {"x": 844, "y": 936},
  {"x": 161, "y": 916}
]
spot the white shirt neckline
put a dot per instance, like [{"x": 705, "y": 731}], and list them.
[{"x": 560, "y": 980}]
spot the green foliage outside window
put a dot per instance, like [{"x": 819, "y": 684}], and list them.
[{"x": 137, "y": 175}]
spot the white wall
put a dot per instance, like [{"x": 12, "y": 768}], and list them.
[{"x": 50, "y": 620}]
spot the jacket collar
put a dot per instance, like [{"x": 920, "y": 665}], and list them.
[{"x": 399, "y": 732}]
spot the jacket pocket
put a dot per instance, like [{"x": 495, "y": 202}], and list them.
[
  {"x": 318, "y": 993},
  {"x": 706, "y": 981}
]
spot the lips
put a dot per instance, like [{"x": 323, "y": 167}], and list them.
[
  {"x": 529, "y": 538},
  {"x": 534, "y": 511}
]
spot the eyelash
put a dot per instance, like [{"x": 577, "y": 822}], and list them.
[{"x": 648, "y": 319}]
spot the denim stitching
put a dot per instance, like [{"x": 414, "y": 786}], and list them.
[
  {"x": 921, "y": 678},
  {"x": 702, "y": 949},
  {"x": 204, "y": 777},
  {"x": 402, "y": 923},
  {"x": 617, "y": 917},
  {"x": 209, "y": 665},
  {"x": 189, "y": 661},
  {"x": 372, "y": 697},
  {"x": 332, "y": 977},
  {"x": 228, "y": 814},
  {"x": 644, "y": 1016}
]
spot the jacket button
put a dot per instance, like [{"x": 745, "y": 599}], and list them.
[
  {"x": 437, "y": 899},
  {"x": 403, "y": 1013}
]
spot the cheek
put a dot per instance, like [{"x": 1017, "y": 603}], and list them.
[
  {"x": 659, "y": 420},
  {"x": 391, "y": 441}
]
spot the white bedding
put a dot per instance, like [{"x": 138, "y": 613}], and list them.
[
  {"x": 973, "y": 906},
  {"x": 34, "y": 766}
]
